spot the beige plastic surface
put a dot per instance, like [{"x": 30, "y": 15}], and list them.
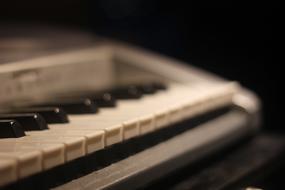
[
  {"x": 92, "y": 132},
  {"x": 8, "y": 170}
]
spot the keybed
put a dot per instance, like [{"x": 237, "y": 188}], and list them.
[{"x": 78, "y": 133}]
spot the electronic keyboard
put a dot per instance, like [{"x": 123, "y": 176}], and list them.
[{"x": 108, "y": 115}]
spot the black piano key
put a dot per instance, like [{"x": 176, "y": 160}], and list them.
[
  {"x": 50, "y": 114},
  {"x": 11, "y": 129},
  {"x": 129, "y": 92},
  {"x": 29, "y": 122},
  {"x": 75, "y": 106},
  {"x": 104, "y": 100},
  {"x": 159, "y": 86},
  {"x": 147, "y": 88}
]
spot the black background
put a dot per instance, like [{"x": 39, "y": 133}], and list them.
[{"x": 232, "y": 39}]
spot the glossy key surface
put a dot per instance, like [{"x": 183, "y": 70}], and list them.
[
  {"x": 128, "y": 92},
  {"x": 147, "y": 88},
  {"x": 28, "y": 121},
  {"x": 50, "y": 114},
  {"x": 74, "y": 106},
  {"x": 10, "y": 129},
  {"x": 104, "y": 100}
]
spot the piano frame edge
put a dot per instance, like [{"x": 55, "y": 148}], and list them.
[{"x": 245, "y": 99}]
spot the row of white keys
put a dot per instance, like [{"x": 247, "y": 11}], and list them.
[
  {"x": 148, "y": 113},
  {"x": 32, "y": 154},
  {"x": 51, "y": 154},
  {"x": 41, "y": 150},
  {"x": 74, "y": 147},
  {"x": 63, "y": 142},
  {"x": 104, "y": 134},
  {"x": 88, "y": 133},
  {"x": 112, "y": 129},
  {"x": 45, "y": 149},
  {"x": 89, "y": 130},
  {"x": 130, "y": 113},
  {"x": 210, "y": 98},
  {"x": 27, "y": 162},
  {"x": 93, "y": 139}
]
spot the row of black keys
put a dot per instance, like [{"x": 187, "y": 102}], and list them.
[{"x": 13, "y": 124}]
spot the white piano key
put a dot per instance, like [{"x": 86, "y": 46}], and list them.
[
  {"x": 114, "y": 134},
  {"x": 52, "y": 154},
  {"x": 28, "y": 162},
  {"x": 8, "y": 171},
  {"x": 94, "y": 139},
  {"x": 130, "y": 129},
  {"x": 114, "y": 129},
  {"x": 161, "y": 119},
  {"x": 126, "y": 126},
  {"x": 175, "y": 114},
  {"x": 146, "y": 124},
  {"x": 75, "y": 147},
  {"x": 110, "y": 133}
]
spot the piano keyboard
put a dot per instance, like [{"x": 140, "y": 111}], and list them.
[{"x": 43, "y": 134}]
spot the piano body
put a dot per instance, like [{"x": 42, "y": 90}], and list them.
[{"x": 101, "y": 114}]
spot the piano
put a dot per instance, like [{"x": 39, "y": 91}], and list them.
[{"x": 79, "y": 111}]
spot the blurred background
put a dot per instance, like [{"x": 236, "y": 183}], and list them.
[{"x": 232, "y": 39}]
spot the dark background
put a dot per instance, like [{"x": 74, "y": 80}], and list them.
[{"x": 232, "y": 39}]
